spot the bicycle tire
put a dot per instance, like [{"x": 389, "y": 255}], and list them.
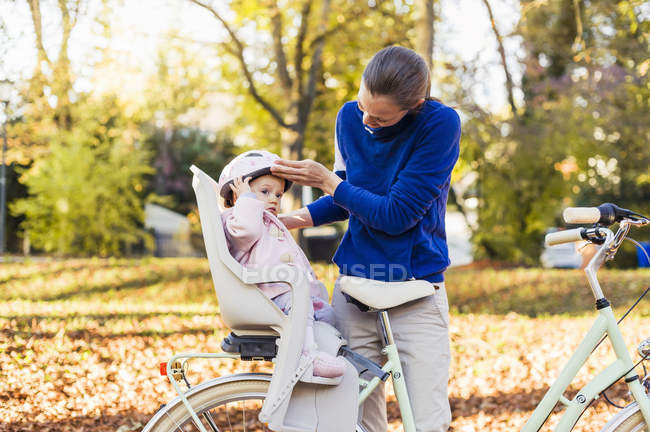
[
  {"x": 232, "y": 403},
  {"x": 628, "y": 420}
]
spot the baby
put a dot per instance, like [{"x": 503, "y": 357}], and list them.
[{"x": 257, "y": 238}]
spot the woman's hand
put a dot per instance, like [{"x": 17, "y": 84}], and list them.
[
  {"x": 240, "y": 187},
  {"x": 307, "y": 173}
]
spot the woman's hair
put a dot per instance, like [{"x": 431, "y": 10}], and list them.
[{"x": 399, "y": 73}]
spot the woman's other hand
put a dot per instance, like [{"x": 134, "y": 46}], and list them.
[
  {"x": 307, "y": 173},
  {"x": 300, "y": 218},
  {"x": 240, "y": 187}
]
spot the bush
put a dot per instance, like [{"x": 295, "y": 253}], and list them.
[{"x": 84, "y": 196}]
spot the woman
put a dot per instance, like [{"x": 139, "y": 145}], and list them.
[{"x": 395, "y": 149}]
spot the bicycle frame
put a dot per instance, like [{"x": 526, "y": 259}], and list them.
[
  {"x": 605, "y": 325},
  {"x": 394, "y": 367}
]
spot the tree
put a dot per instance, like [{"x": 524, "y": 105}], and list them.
[
  {"x": 86, "y": 193},
  {"x": 424, "y": 21},
  {"x": 47, "y": 97},
  {"x": 303, "y": 57},
  {"x": 571, "y": 140}
]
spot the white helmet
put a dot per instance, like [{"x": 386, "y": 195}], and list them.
[{"x": 250, "y": 164}]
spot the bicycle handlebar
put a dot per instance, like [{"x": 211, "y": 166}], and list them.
[
  {"x": 566, "y": 236},
  {"x": 605, "y": 214},
  {"x": 581, "y": 215}
]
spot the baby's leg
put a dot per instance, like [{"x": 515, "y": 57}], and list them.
[
  {"x": 284, "y": 302},
  {"x": 325, "y": 365},
  {"x": 323, "y": 311}
]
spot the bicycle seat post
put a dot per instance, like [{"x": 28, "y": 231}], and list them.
[
  {"x": 394, "y": 366},
  {"x": 384, "y": 326}
]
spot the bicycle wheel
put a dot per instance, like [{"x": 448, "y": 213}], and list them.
[
  {"x": 628, "y": 420},
  {"x": 230, "y": 404}
]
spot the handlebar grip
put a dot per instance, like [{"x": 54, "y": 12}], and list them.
[
  {"x": 566, "y": 236},
  {"x": 581, "y": 215}
]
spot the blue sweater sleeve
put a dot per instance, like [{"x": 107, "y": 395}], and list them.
[
  {"x": 417, "y": 186},
  {"x": 324, "y": 210}
]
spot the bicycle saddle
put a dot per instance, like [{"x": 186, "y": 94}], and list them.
[{"x": 384, "y": 295}]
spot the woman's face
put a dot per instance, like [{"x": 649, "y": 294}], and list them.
[{"x": 378, "y": 110}]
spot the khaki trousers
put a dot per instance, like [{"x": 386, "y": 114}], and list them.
[{"x": 421, "y": 332}]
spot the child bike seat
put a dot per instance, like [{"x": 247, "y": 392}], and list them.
[
  {"x": 384, "y": 295},
  {"x": 258, "y": 324}
]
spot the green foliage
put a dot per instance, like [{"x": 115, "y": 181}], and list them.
[
  {"x": 352, "y": 37},
  {"x": 599, "y": 106},
  {"x": 580, "y": 137},
  {"x": 87, "y": 187},
  {"x": 86, "y": 193}
]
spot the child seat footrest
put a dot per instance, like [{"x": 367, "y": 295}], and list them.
[{"x": 251, "y": 347}]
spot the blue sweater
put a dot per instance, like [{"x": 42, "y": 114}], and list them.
[{"x": 396, "y": 181}]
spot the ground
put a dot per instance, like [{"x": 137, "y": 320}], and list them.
[{"x": 81, "y": 340}]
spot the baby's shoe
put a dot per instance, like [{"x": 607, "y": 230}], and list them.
[
  {"x": 322, "y": 368},
  {"x": 328, "y": 366}
]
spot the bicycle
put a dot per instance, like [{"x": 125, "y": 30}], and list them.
[{"x": 218, "y": 404}]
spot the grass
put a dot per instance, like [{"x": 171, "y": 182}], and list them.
[{"x": 80, "y": 340}]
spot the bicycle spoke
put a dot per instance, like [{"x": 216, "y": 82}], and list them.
[
  {"x": 228, "y": 417},
  {"x": 208, "y": 418},
  {"x": 177, "y": 425}
]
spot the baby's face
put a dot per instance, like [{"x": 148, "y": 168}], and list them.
[{"x": 269, "y": 189}]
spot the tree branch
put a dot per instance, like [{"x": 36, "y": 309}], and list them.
[
  {"x": 502, "y": 53},
  {"x": 67, "y": 29},
  {"x": 316, "y": 64},
  {"x": 578, "y": 43},
  {"x": 278, "y": 49},
  {"x": 35, "y": 9},
  {"x": 239, "y": 54},
  {"x": 300, "y": 45},
  {"x": 354, "y": 13}
]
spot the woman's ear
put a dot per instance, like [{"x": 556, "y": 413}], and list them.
[{"x": 418, "y": 104}]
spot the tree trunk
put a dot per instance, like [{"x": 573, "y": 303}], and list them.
[
  {"x": 292, "y": 145},
  {"x": 504, "y": 63},
  {"x": 424, "y": 20}
]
